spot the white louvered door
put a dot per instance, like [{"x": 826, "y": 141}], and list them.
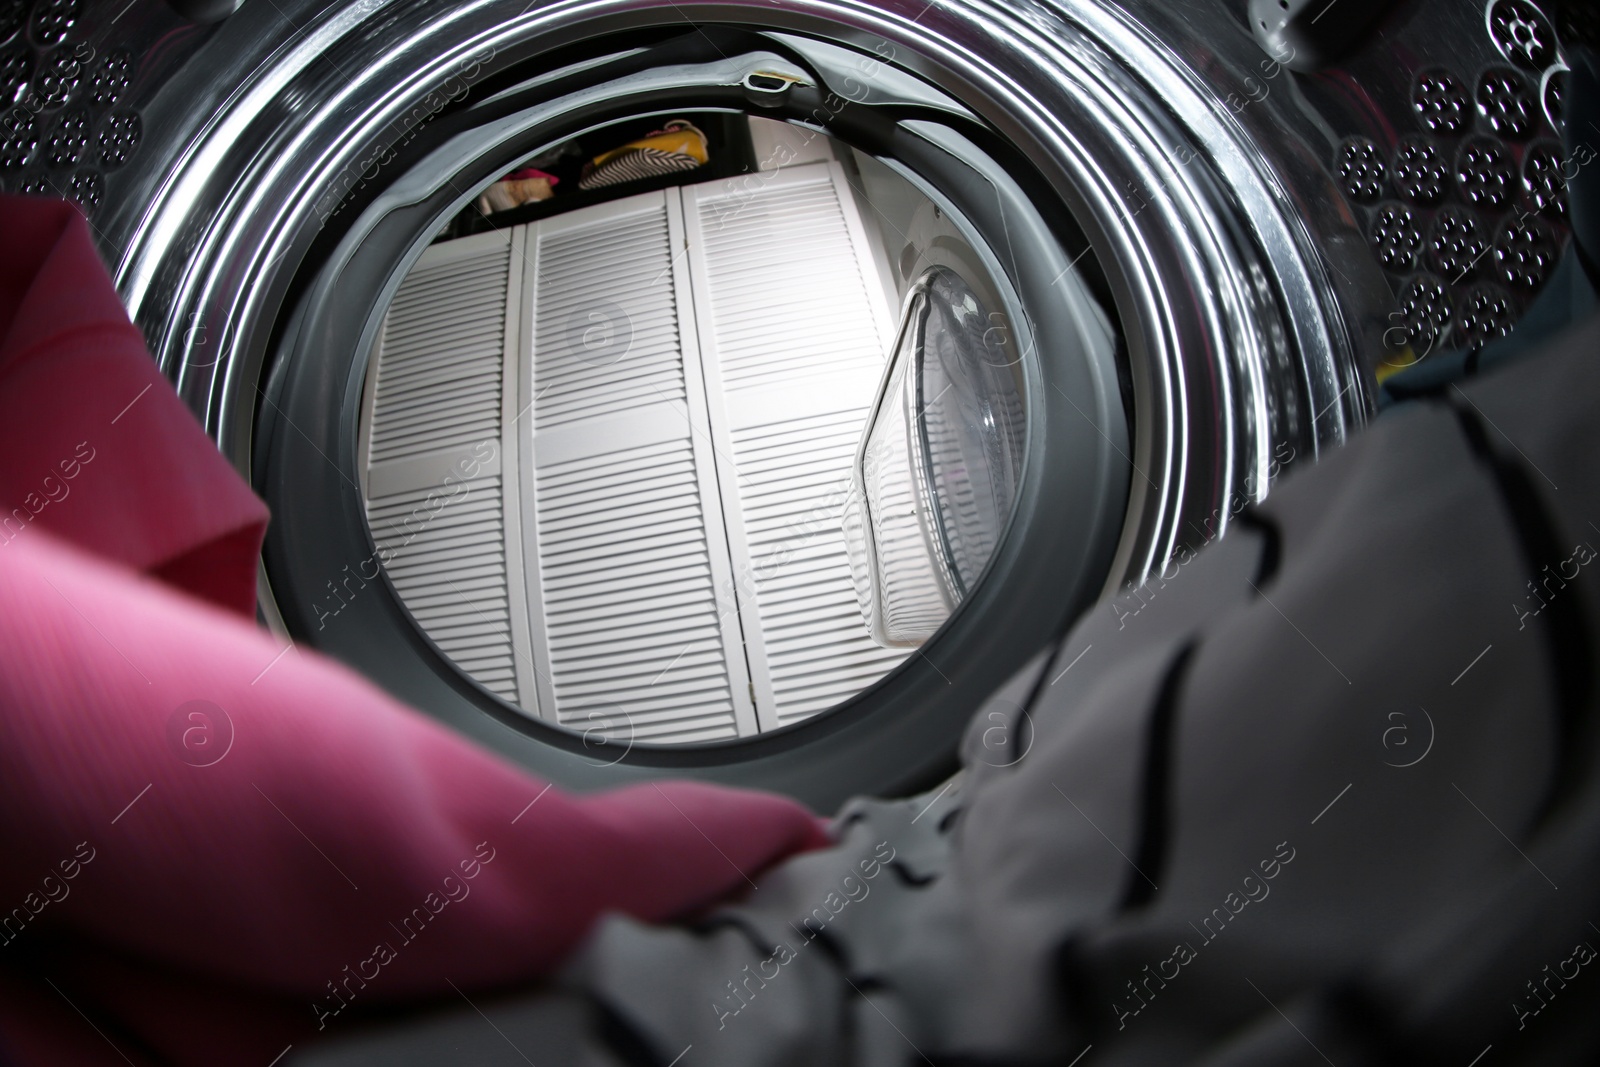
[
  {"x": 657, "y": 400},
  {"x": 434, "y": 461},
  {"x": 795, "y": 327},
  {"x": 634, "y": 630}
]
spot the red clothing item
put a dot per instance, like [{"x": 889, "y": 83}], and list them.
[
  {"x": 94, "y": 444},
  {"x": 531, "y": 172},
  {"x": 217, "y": 845}
]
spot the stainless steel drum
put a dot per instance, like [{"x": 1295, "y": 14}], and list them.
[{"x": 1262, "y": 241}]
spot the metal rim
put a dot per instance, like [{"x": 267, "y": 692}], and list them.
[{"x": 1235, "y": 338}]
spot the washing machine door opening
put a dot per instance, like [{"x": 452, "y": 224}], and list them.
[
  {"x": 516, "y": 307},
  {"x": 617, "y": 414}
]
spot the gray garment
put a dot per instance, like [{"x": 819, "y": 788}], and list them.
[{"x": 1321, "y": 792}]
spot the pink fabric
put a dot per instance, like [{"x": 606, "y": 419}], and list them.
[
  {"x": 531, "y": 172},
  {"x": 94, "y": 444},
  {"x": 215, "y": 845}
]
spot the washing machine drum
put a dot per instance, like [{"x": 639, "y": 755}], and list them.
[{"x": 1130, "y": 266}]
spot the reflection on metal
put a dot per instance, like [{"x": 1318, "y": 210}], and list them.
[
  {"x": 1194, "y": 174},
  {"x": 936, "y": 473},
  {"x": 1121, "y": 107}
]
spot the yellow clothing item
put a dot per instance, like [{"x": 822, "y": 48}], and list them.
[{"x": 680, "y": 137}]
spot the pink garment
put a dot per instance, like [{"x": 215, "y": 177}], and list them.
[
  {"x": 86, "y": 414},
  {"x": 531, "y": 172},
  {"x": 217, "y": 845}
]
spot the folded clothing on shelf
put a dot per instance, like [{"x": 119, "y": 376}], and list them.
[
  {"x": 678, "y": 146},
  {"x": 523, "y": 186}
]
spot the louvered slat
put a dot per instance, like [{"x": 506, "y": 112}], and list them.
[
  {"x": 453, "y": 579},
  {"x": 438, "y": 390},
  {"x": 624, "y": 498},
  {"x": 619, "y": 261},
  {"x": 796, "y": 325},
  {"x": 796, "y": 540}
]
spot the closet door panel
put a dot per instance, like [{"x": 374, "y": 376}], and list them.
[
  {"x": 623, "y": 523},
  {"x": 794, "y": 328},
  {"x": 433, "y": 457}
]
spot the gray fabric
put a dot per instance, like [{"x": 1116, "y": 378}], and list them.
[{"x": 1309, "y": 803}]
